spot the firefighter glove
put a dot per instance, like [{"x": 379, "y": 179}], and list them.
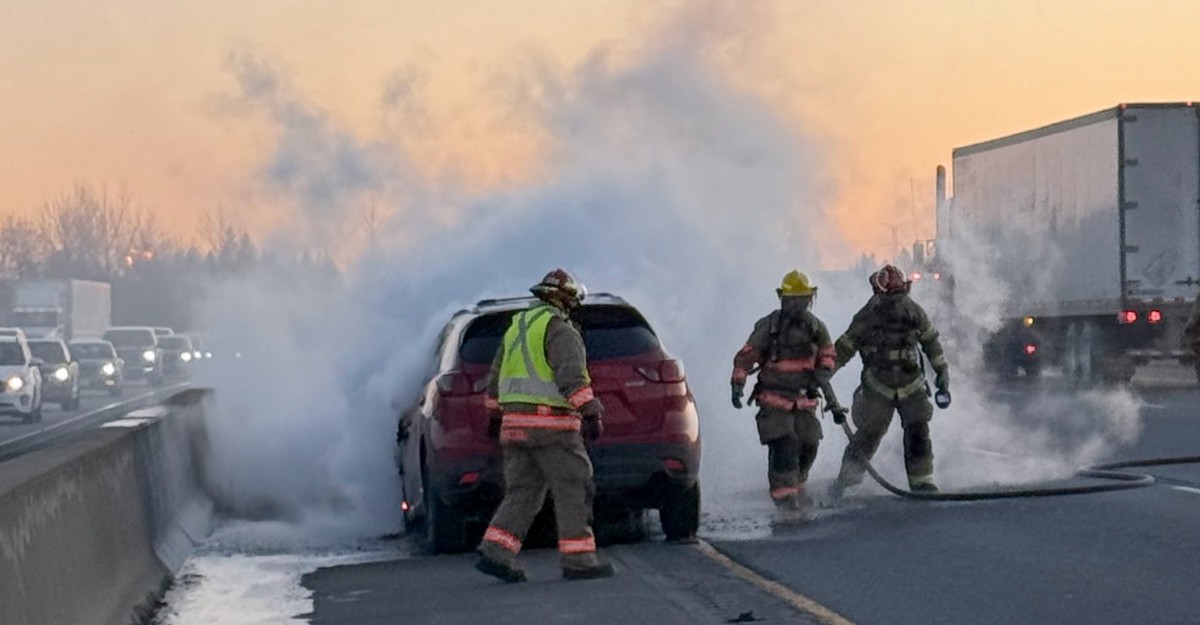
[
  {"x": 592, "y": 409},
  {"x": 738, "y": 392},
  {"x": 942, "y": 398},
  {"x": 942, "y": 381},
  {"x": 593, "y": 427}
]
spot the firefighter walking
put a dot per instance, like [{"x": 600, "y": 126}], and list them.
[
  {"x": 543, "y": 405},
  {"x": 793, "y": 353},
  {"x": 887, "y": 333}
]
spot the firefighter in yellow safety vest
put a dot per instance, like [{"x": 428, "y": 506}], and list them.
[{"x": 543, "y": 407}]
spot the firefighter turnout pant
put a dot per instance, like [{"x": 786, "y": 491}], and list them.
[
  {"x": 792, "y": 438},
  {"x": 872, "y": 415},
  {"x": 536, "y": 462}
]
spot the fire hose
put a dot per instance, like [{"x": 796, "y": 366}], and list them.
[{"x": 1111, "y": 472}]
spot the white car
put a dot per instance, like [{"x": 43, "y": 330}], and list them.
[
  {"x": 14, "y": 332},
  {"x": 20, "y": 381}
]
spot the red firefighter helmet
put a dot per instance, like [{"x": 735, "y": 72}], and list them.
[
  {"x": 560, "y": 288},
  {"x": 889, "y": 280}
]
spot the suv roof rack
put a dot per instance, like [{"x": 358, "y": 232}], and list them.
[{"x": 503, "y": 303}]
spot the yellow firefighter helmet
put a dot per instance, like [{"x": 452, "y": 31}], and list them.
[{"x": 796, "y": 283}]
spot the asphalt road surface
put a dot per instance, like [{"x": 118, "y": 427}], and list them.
[{"x": 1122, "y": 557}]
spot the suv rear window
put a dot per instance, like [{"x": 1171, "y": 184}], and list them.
[{"x": 608, "y": 332}]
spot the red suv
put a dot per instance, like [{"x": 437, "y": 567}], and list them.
[{"x": 648, "y": 457}]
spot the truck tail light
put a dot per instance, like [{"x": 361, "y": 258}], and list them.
[
  {"x": 1128, "y": 317},
  {"x": 1155, "y": 316}
]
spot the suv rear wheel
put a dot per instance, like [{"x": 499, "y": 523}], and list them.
[
  {"x": 445, "y": 529},
  {"x": 680, "y": 513}
]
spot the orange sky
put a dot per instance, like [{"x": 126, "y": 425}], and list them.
[{"x": 125, "y": 93}]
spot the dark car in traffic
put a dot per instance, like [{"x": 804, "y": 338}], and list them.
[
  {"x": 177, "y": 354},
  {"x": 60, "y": 374},
  {"x": 648, "y": 456},
  {"x": 138, "y": 347},
  {"x": 99, "y": 366}
]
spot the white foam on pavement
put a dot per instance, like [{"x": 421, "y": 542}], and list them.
[{"x": 239, "y": 589}]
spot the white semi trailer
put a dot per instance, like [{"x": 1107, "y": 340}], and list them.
[
  {"x": 66, "y": 309},
  {"x": 1093, "y": 225}
]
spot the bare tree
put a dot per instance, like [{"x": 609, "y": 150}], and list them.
[
  {"x": 232, "y": 249},
  {"x": 23, "y": 249},
  {"x": 95, "y": 235}
]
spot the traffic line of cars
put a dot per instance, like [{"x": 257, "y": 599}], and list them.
[{"x": 39, "y": 370}]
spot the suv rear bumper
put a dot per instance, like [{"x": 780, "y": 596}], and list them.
[{"x": 626, "y": 476}]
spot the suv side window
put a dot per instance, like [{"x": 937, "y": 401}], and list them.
[{"x": 439, "y": 349}]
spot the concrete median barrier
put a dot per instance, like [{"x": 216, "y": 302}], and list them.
[{"x": 92, "y": 527}]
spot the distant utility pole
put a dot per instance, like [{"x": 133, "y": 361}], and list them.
[{"x": 895, "y": 251}]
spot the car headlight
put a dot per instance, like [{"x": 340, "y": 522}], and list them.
[
  {"x": 61, "y": 374},
  {"x": 15, "y": 384},
  {"x": 197, "y": 355},
  {"x": 186, "y": 356},
  {"x": 207, "y": 355},
  {"x": 108, "y": 368},
  {"x": 149, "y": 355}
]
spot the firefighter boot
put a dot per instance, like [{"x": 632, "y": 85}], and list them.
[
  {"x": 790, "y": 500},
  {"x": 838, "y": 489},
  {"x": 922, "y": 484},
  {"x": 595, "y": 571},
  {"x": 496, "y": 567}
]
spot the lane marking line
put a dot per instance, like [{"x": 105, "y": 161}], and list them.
[
  {"x": 1188, "y": 489},
  {"x": 127, "y": 423},
  {"x": 822, "y": 614},
  {"x": 86, "y": 415}
]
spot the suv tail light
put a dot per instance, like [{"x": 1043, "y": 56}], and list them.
[
  {"x": 1128, "y": 317},
  {"x": 665, "y": 372},
  {"x": 454, "y": 384},
  {"x": 1155, "y": 316}
]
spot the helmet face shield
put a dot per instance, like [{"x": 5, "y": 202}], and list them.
[{"x": 794, "y": 305}]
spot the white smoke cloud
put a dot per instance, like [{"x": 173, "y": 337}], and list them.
[
  {"x": 663, "y": 183},
  {"x": 667, "y": 186}
]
